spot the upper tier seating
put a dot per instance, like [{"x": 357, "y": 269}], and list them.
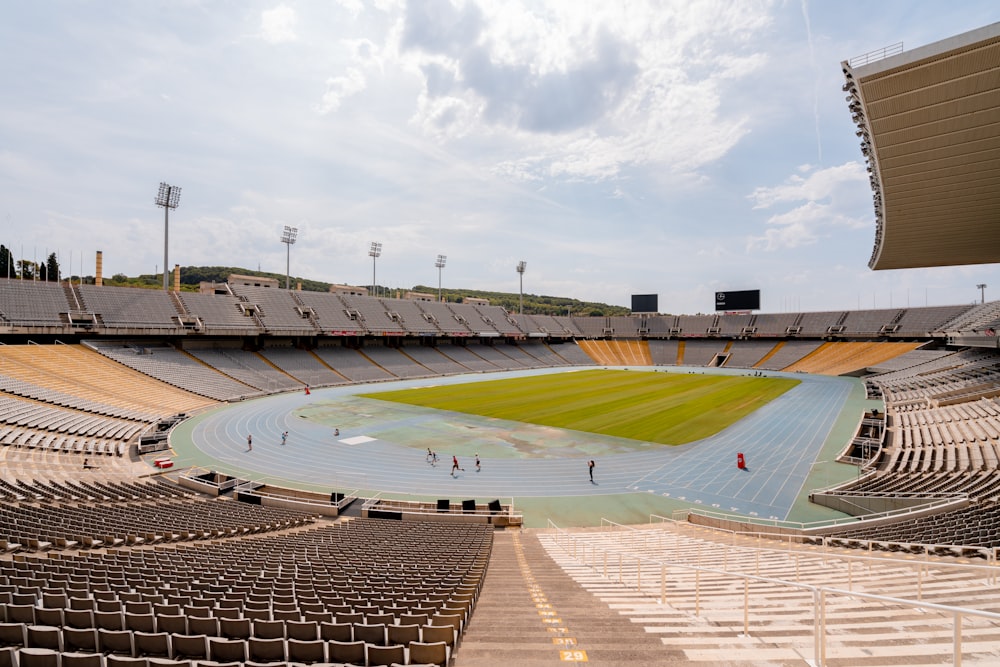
[
  {"x": 409, "y": 314},
  {"x": 280, "y": 310},
  {"x": 445, "y": 318},
  {"x": 219, "y": 312},
  {"x": 30, "y": 303},
  {"x": 331, "y": 313},
  {"x": 774, "y": 324},
  {"x": 129, "y": 307},
  {"x": 373, "y": 314}
]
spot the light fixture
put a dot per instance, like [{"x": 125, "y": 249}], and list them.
[
  {"x": 374, "y": 252},
  {"x": 439, "y": 263},
  {"x": 520, "y": 272},
  {"x": 168, "y": 197},
  {"x": 288, "y": 237}
]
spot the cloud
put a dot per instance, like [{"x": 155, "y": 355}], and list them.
[
  {"x": 829, "y": 198},
  {"x": 818, "y": 185},
  {"x": 340, "y": 87},
  {"x": 583, "y": 94},
  {"x": 278, "y": 25},
  {"x": 438, "y": 27}
]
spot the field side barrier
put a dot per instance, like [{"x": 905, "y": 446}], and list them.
[
  {"x": 419, "y": 509},
  {"x": 576, "y": 546},
  {"x": 790, "y": 534},
  {"x": 766, "y": 543}
]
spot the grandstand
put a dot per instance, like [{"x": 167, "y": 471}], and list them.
[
  {"x": 105, "y": 391},
  {"x": 109, "y": 557}
]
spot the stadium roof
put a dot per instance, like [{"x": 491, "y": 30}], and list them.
[{"x": 929, "y": 123}]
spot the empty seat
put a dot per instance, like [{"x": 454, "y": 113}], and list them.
[
  {"x": 152, "y": 644},
  {"x": 45, "y": 636},
  {"x": 38, "y": 657},
  {"x": 118, "y": 642},
  {"x": 266, "y": 650},
  {"x": 341, "y": 632},
  {"x": 203, "y": 625},
  {"x": 175, "y": 624},
  {"x": 81, "y": 660},
  {"x": 189, "y": 647},
  {"x": 307, "y": 652},
  {"x": 140, "y": 622},
  {"x": 235, "y": 628},
  {"x": 431, "y": 653},
  {"x": 124, "y": 661},
  {"x": 227, "y": 650},
  {"x": 349, "y": 652},
  {"x": 303, "y": 630},
  {"x": 13, "y": 634},
  {"x": 269, "y": 629},
  {"x": 402, "y": 634},
  {"x": 79, "y": 640},
  {"x": 370, "y": 634},
  {"x": 383, "y": 656}
]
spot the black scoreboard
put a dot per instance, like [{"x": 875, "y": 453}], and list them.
[
  {"x": 645, "y": 303},
  {"x": 738, "y": 300}
]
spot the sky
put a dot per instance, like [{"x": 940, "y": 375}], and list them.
[{"x": 617, "y": 148}]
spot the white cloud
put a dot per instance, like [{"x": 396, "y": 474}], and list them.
[
  {"x": 341, "y": 87},
  {"x": 278, "y": 25},
  {"x": 590, "y": 92},
  {"x": 827, "y": 199},
  {"x": 815, "y": 186}
]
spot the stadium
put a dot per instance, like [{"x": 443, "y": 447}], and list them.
[{"x": 226, "y": 477}]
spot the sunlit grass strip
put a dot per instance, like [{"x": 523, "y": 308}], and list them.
[{"x": 668, "y": 408}]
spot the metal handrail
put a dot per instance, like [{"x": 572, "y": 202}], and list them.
[{"x": 876, "y": 55}]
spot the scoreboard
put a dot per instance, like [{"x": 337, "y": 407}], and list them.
[{"x": 738, "y": 300}]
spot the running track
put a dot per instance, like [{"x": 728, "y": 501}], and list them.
[{"x": 781, "y": 442}]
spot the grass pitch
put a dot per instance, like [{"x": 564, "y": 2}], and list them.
[{"x": 666, "y": 408}]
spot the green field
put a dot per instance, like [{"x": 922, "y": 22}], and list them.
[{"x": 666, "y": 408}]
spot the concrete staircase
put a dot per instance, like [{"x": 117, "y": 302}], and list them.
[{"x": 531, "y": 613}]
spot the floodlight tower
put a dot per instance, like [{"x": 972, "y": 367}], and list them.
[
  {"x": 288, "y": 238},
  {"x": 982, "y": 292},
  {"x": 440, "y": 265},
  {"x": 374, "y": 252},
  {"x": 520, "y": 272},
  {"x": 168, "y": 197}
]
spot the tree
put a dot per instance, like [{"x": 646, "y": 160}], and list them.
[
  {"x": 51, "y": 271},
  {"x": 26, "y": 269},
  {"x": 6, "y": 263}
]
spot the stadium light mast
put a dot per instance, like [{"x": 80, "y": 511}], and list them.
[
  {"x": 374, "y": 252},
  {"x": 288, "y": 237},
  {"x": 521, "y": 266},
  {"x": 168, "y": 197},
  {"x": 982, "y": 292},
  {"x": 439, "y": 263}
]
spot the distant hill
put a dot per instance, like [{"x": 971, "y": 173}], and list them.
[{"x": 534, "y": 304}]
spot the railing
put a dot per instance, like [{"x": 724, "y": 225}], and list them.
[
  {"x": 826, "y": 543},
  {"x": 427, "y": 508},
  {"x": 933, "y": 500},
  {"x": 658, "y": 571},
  {"x": 876, "y": 55}
]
